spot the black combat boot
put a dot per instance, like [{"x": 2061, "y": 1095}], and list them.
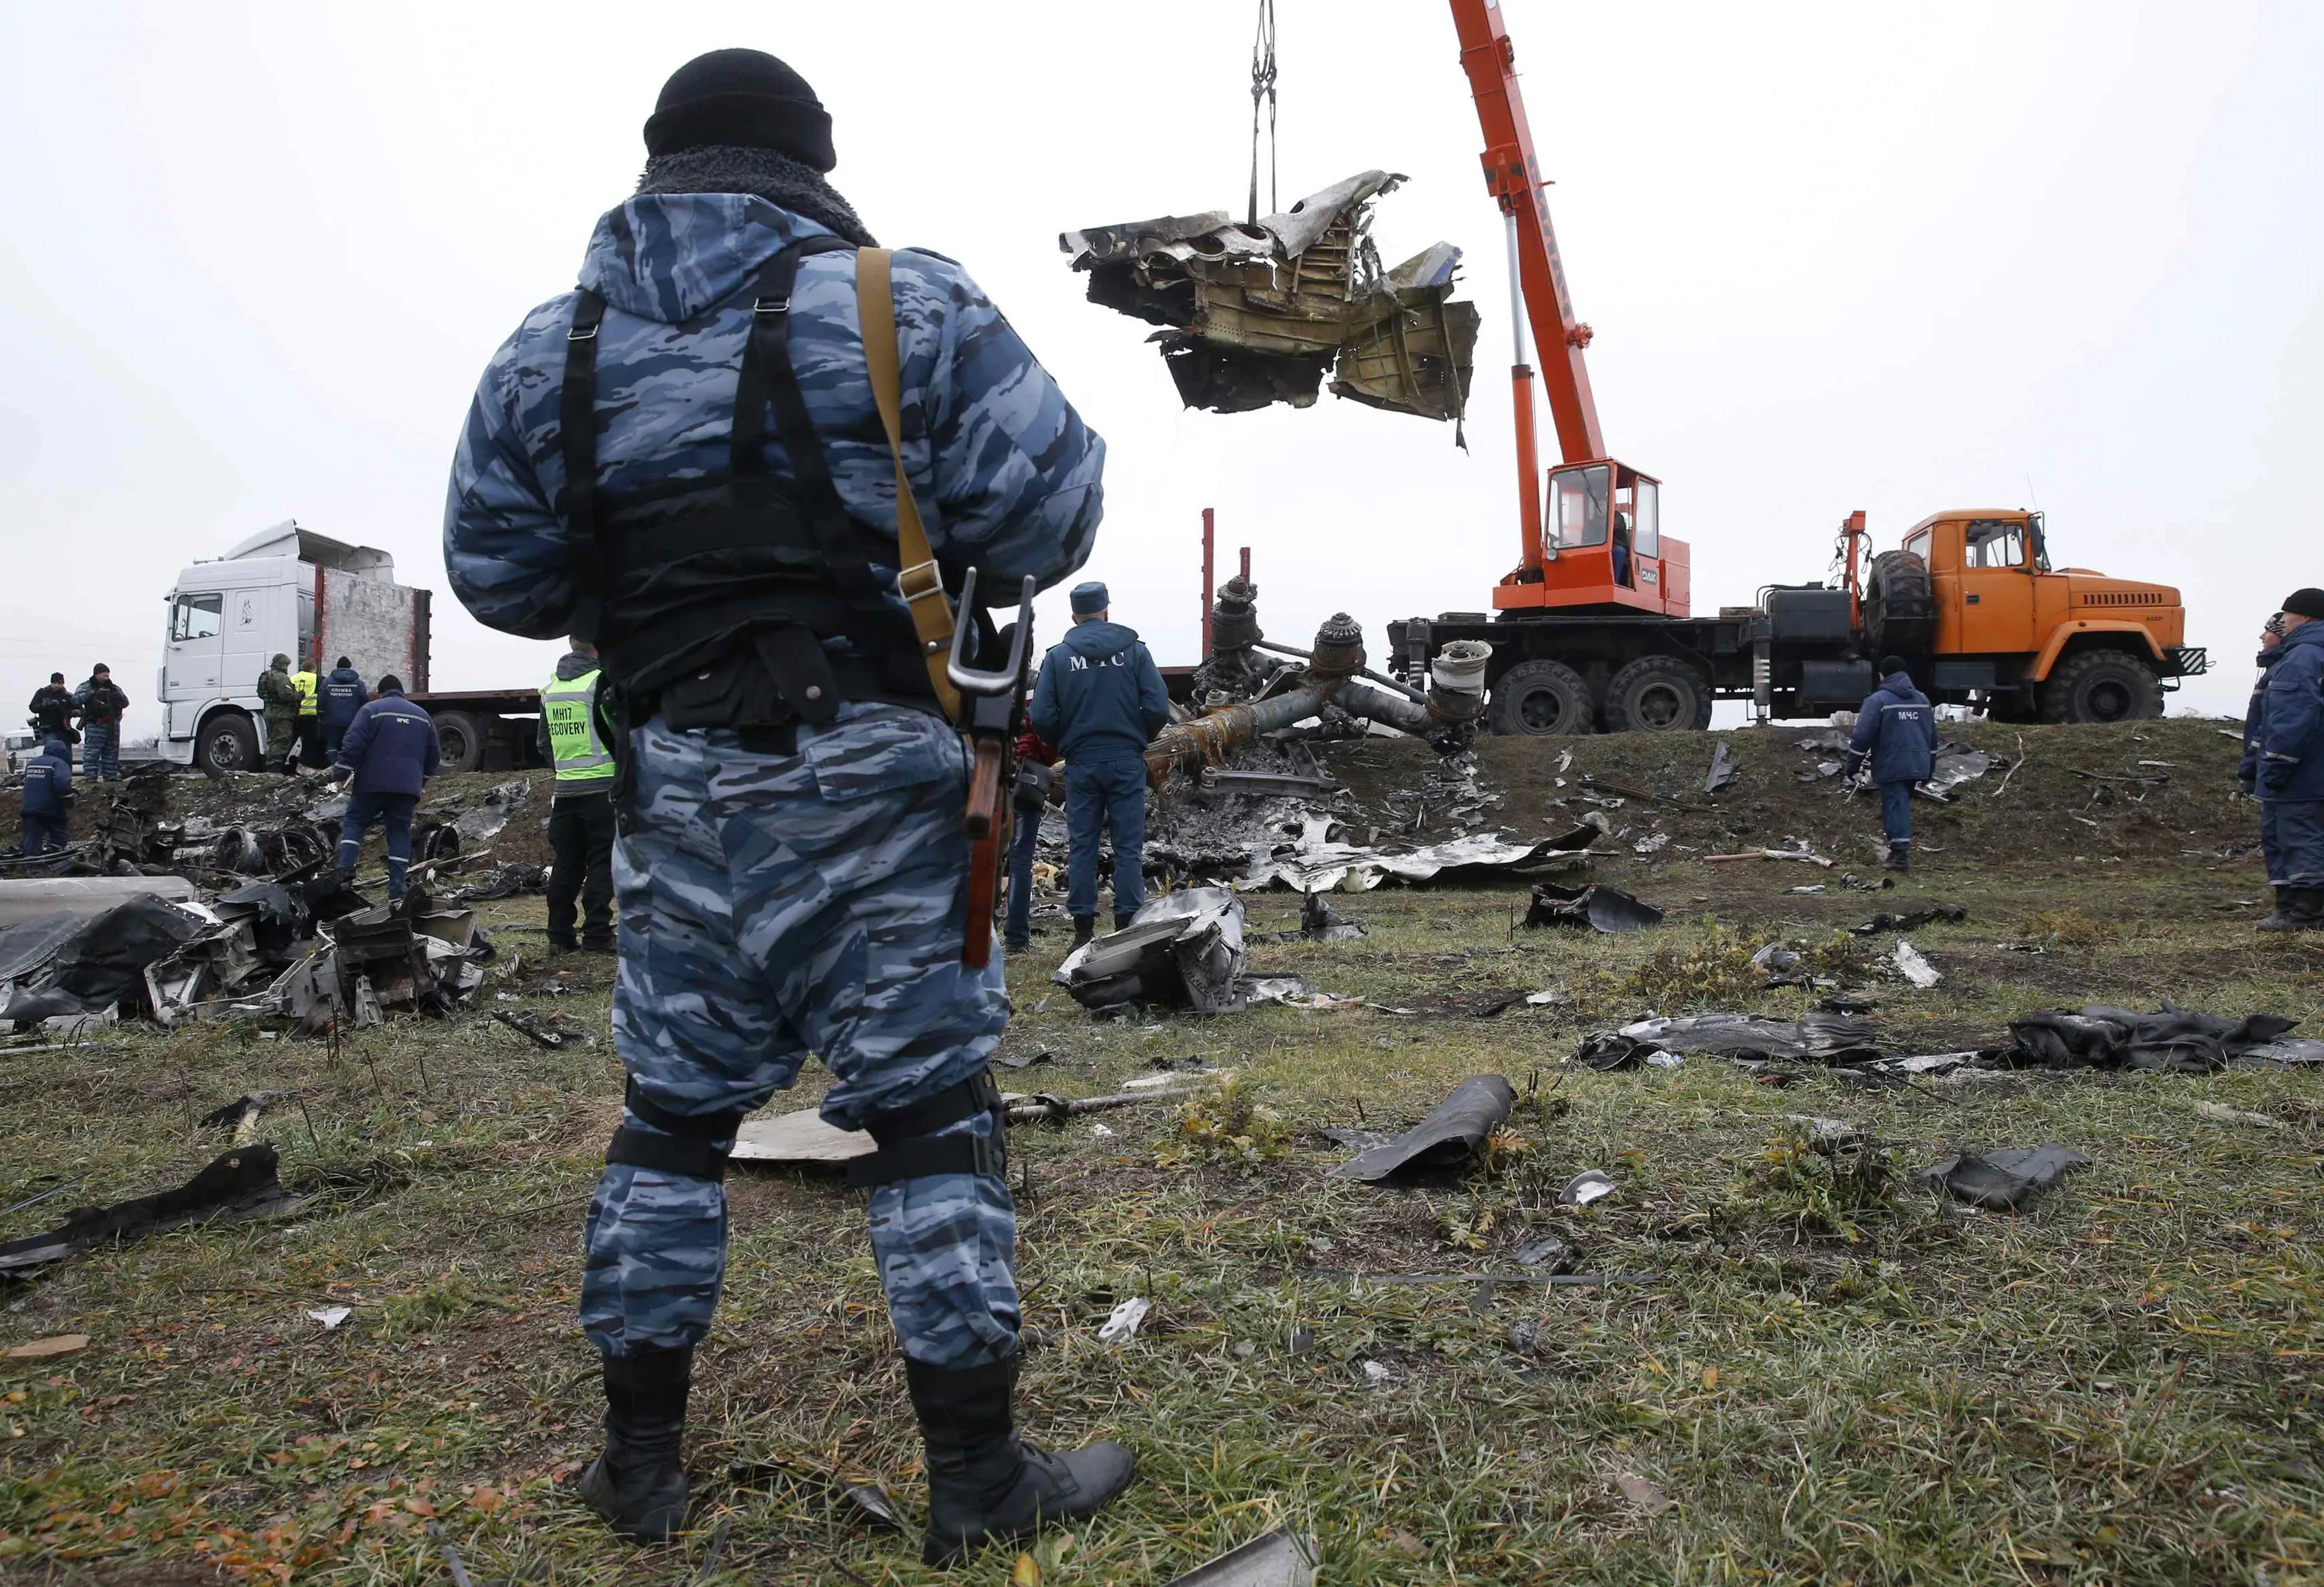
[
  {"x": 638, "y": 1483},
  {"x": 985, "y": 1485},
  {"x": 1121, "y": 920},
  {"x": 2279, "y": 917},
  {"x": 1900, "y": 857},
  {"x": 1085, "y": 929},
  {"x": 2305, "y": 906}
]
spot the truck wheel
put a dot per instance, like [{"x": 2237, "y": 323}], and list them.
[
  {"x": 1900, "y": 607},
  {"x": 1542, "y": 697},
  {"x": 460, "y": 741},
  {"x": 2101, "y": 686},
  {"x": 1657, "y": 694},
  {"x": 226, "y": 743}
]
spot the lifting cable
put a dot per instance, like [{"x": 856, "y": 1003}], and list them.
[{"x": 1262, "y": 85}]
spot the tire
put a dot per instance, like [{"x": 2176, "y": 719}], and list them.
[
  {"x": 1657, "y": 694},
  {"x": 1900, "y": 610},
  {"x": 227, "y": 742},
  {"x": 2101, "y": 686},
  {"x": 1538, "y": 698},
  {"x": 460, "y": 741}
]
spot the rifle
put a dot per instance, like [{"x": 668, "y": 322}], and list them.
[{"x": 991, "y": 713}]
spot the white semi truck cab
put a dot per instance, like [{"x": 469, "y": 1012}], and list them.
[{"x": 288, "y": 591}]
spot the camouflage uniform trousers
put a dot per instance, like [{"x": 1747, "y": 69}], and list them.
[
  {"x": 282, "y": 737},
  {"x": 774, "y": 905}
]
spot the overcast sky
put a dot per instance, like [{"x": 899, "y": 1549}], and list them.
[{"x": 1904, "y": 258}]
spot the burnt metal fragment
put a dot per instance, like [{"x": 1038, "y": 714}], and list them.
[
  {"x": 1594, "y": 908},
  {"x": 1448, "y": 1137}
]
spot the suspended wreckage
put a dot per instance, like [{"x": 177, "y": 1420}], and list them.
[{"x": 1254, "y": 314}]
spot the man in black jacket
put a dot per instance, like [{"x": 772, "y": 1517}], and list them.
[{"x": 52, "y": 711}]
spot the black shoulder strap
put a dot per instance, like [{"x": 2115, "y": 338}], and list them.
[
  {"x": 577, "y": 436},
  {"x": 768, "y": 379}
]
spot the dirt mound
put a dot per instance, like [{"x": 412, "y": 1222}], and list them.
[{"x": 2147, "y": 789}]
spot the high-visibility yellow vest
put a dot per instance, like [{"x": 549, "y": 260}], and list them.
[
  {"x": 568, "y": 705},
  {"x": 307, "y": 682}
]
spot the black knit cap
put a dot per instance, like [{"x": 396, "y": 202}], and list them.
[
  {"x": 745, "y": 98},
  {"x": 1891, "y": 665},
  {"x": 2307, "y": 602}
]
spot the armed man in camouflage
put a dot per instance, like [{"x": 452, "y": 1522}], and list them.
[
  {"x": 278, "y": 699},
  {"x": 682, "y": 460}
]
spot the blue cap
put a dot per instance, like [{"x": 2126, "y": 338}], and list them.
[{"x": 1090, "y": 598}]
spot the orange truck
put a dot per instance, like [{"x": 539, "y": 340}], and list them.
[{"x": 1594, "y": 629}]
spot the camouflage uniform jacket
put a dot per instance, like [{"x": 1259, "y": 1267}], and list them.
[
  {"x": 1006, "y": 473},
  {"x": 278, "y": 694}
]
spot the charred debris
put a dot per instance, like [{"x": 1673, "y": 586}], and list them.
[{"x": 197, "y": 920}]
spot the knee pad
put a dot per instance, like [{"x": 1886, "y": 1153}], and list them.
[
  {"x": 910, "y": 1148},
  {"x": 691, "y": 1148}
]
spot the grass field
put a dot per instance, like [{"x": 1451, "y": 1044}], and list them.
[{"x": 1828, "y": 1377}]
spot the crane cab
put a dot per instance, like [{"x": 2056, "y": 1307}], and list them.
[{"x": 1601, "y": 547}]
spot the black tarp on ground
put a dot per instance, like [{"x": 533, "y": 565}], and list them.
[
  {"x": 104, "y": 961},
  {"x": 1444, "y": 1138},
  {"x": 2101, "y": 1037}
]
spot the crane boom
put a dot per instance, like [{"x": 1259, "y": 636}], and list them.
[{"x": 1513, "y": 175}]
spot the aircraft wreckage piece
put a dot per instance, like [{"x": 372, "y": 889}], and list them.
[
  {"x": 1255, "y": 315},
  {"x": 1284, "y": 693}
]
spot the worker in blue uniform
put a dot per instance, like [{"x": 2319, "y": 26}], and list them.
[
  {"x": 1101, "y": 701},
  {"x": 2284, "y": 761},
  {"x": 1896, "y": 732}
]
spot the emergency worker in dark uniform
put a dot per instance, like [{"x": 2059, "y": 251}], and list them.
[
  {"x": 1101, "y": 700},
  {"x": 1896, "y": 731},
  {"x": 685, "y": 462},
  {"x": 344, "y": 694},
  {"x": 2284, "y": 761}
]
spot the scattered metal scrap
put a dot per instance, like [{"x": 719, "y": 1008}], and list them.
[
  {"x": 1449, "y": 1136},
  {"x": 1594, "y": 908},
  {"x": 2175, "y": 1041},
  {"x": 1280, "y": 1558},
  {"x": 1723, "y": 770},
  {"x": 1911, "y": 920},
  {"x": 800, "y": 1138},
  {"x": 866, "y": 1502},
  {"x": 1183, "y": 947},
  {"x": 240, "y": 1186},
  {"x": 2001, "y": 1180},
  {"x": 1313, "y": 865},
  {"x": 99, "y": 968},
  {"x": 1254, "y": 315},
  {"x": 1801, "y": 851},
  {"x": 544, "y": 1033},
  {"x": 1827, "y": 1037}
]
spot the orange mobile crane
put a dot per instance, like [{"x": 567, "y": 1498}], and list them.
[{"x": 1592, "y": 627}]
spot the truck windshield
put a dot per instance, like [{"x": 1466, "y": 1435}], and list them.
[
  {"x": 1995, "y": 542},
  {"x": 1577, "y": 506},
  {"x": 196, "y": 616}
]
